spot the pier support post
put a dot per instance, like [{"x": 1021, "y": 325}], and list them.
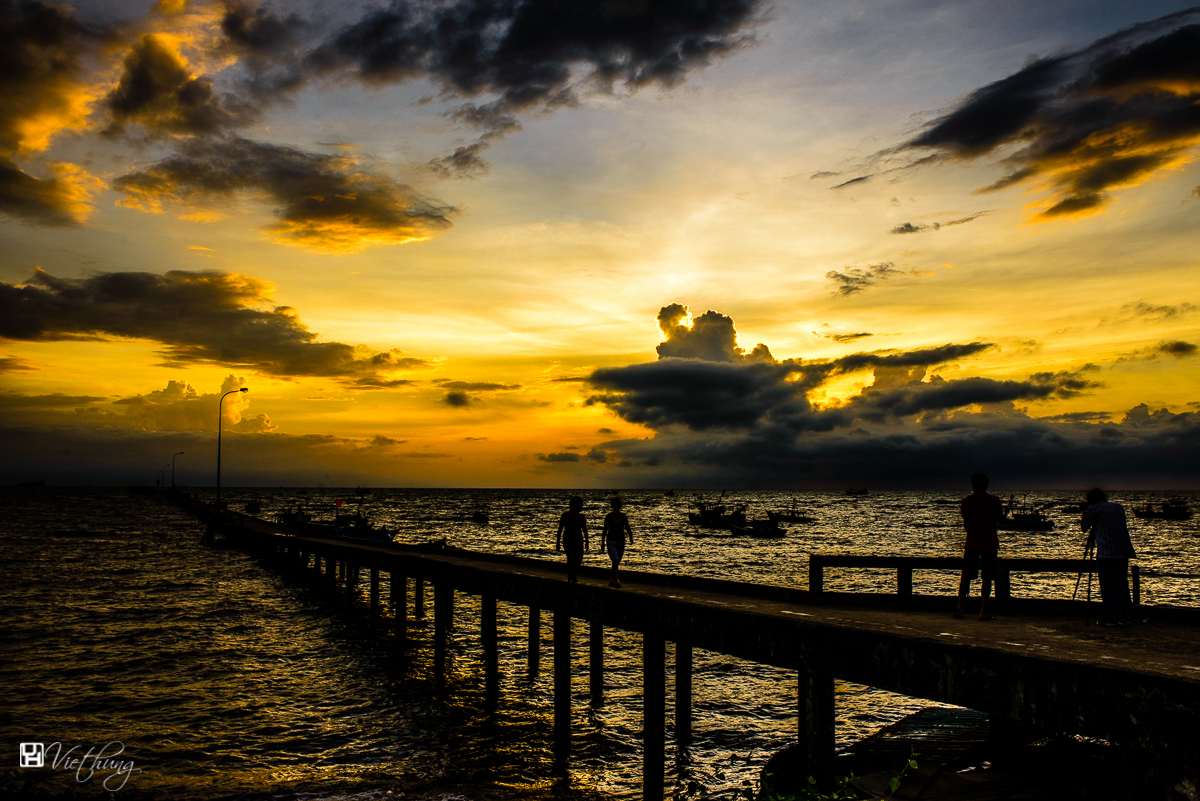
[
  {"x": 399, "y": 591},
  {"x": 374, "y": 593},
  {"x": 596, "y": 662},
  {"x": 904, "y": 581},
  {"x": 535, "y": 642},
  {"x": 654, "y": 713},
  {"x": 442, "y": 612},
  {"x": 683, "y": 692},
  {"x": 331, "y": 570},
  {"x": 491, "y": 654},
  {"x": 817, "y": 725},
  {"x": 562, "y": 690},
  {"x": 418, "y": 599}
]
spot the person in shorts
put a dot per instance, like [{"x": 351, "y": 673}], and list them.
[
  {"x": 612, "y": 537},
  {"x": 981, "y": 512},
  {"x": 573, "y": 536}
]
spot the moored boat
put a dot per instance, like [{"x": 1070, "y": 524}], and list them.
[
  {"x": 714, "y": 515},
  {"x": 792, "y": 515},
  {"x": 1170, "y": 509},
  {"x": 1021, "y": 516}
]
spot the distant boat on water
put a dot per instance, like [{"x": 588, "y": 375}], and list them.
[
  {"x": 853, "y": 491},
  {"x": 715, "y": 515},
  {"x": 1170, "y": 509},
  {"x": 1021, "y": 516},
  {"x": 792, "y": 515}
]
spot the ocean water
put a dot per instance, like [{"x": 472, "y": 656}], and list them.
[{"x": 221, "y": 677}]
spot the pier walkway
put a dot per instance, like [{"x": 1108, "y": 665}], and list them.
[{"x": 1038, "y": 667}]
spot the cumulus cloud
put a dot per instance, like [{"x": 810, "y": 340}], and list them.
[
  {"x": 1080, "y": 125},
  {"x": 457, "y": 399},
  {"x": 323, "y": 202},
  {"x": 710, "y": 336},
  {"x": 757, "y": 422},
  {"x": 858, "y": 279},
  {"x": 180, "y": 407},
  {"x": 200, "y": 318}
]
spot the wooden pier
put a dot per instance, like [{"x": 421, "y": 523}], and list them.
[{"x": 1036, "y": 668}]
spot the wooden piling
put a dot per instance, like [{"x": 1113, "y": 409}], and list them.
[
  {"x": 491, "y": 653},
  {"x": 443, "y": 594},
  {"x": 562, "y": 690},
  {"x": 374, "y": 592},
  {"x": 596, "y": 662},
  {"x": 816, "y": 725},
  {"x": 654, "y": 714},
  {"x": 535, "y": 642},
  {"x": 399, "y": 593},
  {"x": 683, "y": 692}
]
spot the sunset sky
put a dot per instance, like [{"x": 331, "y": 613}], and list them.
[{"x": 622, "y": 243}]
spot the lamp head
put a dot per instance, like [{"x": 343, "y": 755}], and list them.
[{"x": 244, "y": 389}]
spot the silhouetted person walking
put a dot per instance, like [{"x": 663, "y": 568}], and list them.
[
  {"x": 1114, "y": 549},
  {"x": 572, "y": 536},
  {"x": 612, "y": 537},
  {"x": 981, "y": 512}
]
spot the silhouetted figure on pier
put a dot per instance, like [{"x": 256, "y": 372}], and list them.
[
  {"x": 1110, "y": 537},
  {"x": 572, "y": 536},
  {"x": 612, "y": 537},
  {"x": 981, "y": 512}
]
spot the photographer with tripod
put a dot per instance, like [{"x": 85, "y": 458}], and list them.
[{"x": 1110, "y": 537}]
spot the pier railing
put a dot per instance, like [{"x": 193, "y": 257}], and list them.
[{"x": 905, "y": 565}]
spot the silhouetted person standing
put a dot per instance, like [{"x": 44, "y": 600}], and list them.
[
  {"x": 612, "y": 537},
  {"x": 1114, "y": 549},
  {"x": 981, "y": 512},
  {"x": 572, "y": 536}
]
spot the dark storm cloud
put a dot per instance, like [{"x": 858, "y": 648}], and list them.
[
  {"x": 200, "y": 317},
  {"x": 1107, "y": 116},
  {"x": 457, "y": 399},
  {"x": 157, "y": 91},
  {"x": 530, "y": 54},
  {"x": 323, "y": 202},
  {"x": 40, "y": 62},
  {"x": 754, "y": 422},
  {"x": 857, "y": 279},
  {"x": 1177, "y": 348},
  {"x": 260, "y": 34}
]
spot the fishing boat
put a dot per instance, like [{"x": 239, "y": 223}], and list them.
[
  {"x": 1022, "y": 516},
  {"x": 792, "y": 515},
  {"x": 1170, "y": 509},
  {"x": 356, "y": 527},
  {"x": 715, "y": 515}
]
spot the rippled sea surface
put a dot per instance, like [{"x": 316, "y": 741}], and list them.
[{"x": 224, "y": 678}]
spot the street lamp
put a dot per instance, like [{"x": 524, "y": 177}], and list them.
[
  {"x": 220, "y": 417},
  {"x": 173, "y": 469}
]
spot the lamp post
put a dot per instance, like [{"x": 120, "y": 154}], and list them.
[
  {"x": 173, "y": 468},
  {"x": 220, "y": 418}
]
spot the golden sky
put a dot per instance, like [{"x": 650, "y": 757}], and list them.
[{"x": 445, "y": 244}]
